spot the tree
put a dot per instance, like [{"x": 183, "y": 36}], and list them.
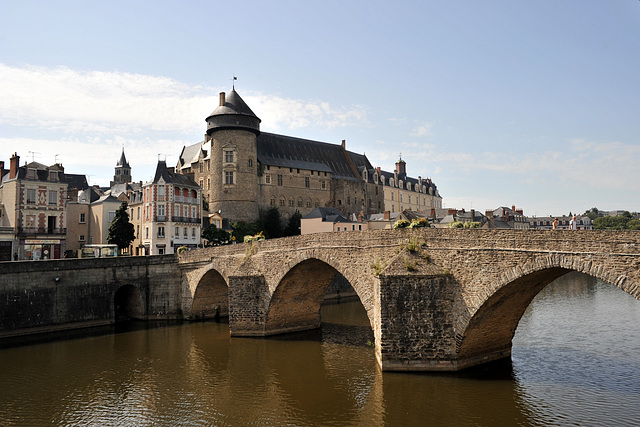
[
  {"x": 271, "y": 223},
  {"x": 293, "y": 225},
  {"x": 215, "y": 236},
  {"x": 121, "y": 231},
  {"x": 241, "y": 229}
]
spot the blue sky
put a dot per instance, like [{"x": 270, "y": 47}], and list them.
[{"x": 534, "y": 104}]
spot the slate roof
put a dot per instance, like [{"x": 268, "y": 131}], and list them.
[
  {"x": 123, "y": 160},
  {"x": 288, "y": 151},
  {"x": 170, "y": 177},
  {"x": 233, "y": 104},
  {"x": 327, "y": 214}
]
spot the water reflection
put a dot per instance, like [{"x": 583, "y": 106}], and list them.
[{"x": 576, "y": 360}]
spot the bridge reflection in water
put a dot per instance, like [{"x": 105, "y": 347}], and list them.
[{"x": 576, "y": 361}]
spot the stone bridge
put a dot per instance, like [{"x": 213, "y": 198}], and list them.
[{"x": 437, "y": 299}]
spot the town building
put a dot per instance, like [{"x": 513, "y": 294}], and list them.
[
  {"x": 546, "y": 222},
  {"x": 243, "y": 171},
  {"x": 33, "y": 211},
  {"x": 172, "y": 212},
  {"x": 505, "y": 217},
  {"x": 403, "y": 193}
]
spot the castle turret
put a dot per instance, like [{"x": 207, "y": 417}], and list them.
[{"x": 233, "y": 129}]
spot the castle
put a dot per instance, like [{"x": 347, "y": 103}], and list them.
[{"x": 242, "y": 171}]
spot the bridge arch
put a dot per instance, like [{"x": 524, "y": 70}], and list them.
[
  {"x": 489, "y": 330},
  {"x": 299, "y": 292},
  {"x": 211, "y": 296},
  {"x": 128, "y": 303}
]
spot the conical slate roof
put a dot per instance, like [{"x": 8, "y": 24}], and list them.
[
  {"x": 233, "y": 113},
  {"x": 123, "y": 160},
  {"x": 233, "y": 104}
]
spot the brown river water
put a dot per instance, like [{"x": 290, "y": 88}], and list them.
[{"x": 576, "y": 361}]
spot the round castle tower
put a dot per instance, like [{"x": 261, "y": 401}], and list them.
[{"x": 233, "y": 130}]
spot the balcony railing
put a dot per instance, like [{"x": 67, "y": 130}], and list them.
[
  {"x": 182, "y": 199},
  {"x": 185, "y": 219},
  {"x": 42, "y": 230}
]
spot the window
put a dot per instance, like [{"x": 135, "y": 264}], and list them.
[
  {"x": 323, "y": 184},
  {"x": 208, "y": 183},
  {"x": 267, "y": 179},
  {"x": 53, "y": 176},
  {"x": 177, "y": 232},
  {"x": 281, "y": 201},
  {"x": 161, "y": 190},
  {"x": 291, "y": 203},
  {"x": 250, "y": 163},
  {"x": 184, "y": 232},
  {"x": 160, "y": 231},
  {"x": 81, "y": 238},
  {"x": 138, "y": 212},
  {"x": 53, "y": 197},
  {"x": 83, "y": 218},
  {"x": 348, "y": 200},
  {"x": 306, "y": 181},
  {"x": 161, "y": 211},
  {"x": 146, "y": 232},
  {"x": 193, "y": 233},
  {"x": 201, "y": 165},
  {"x": 228, "y": 156},
  {"x": 299, "y": 203},
  {"x": 228, "y": 177},
  {"x": 272, "y": 202},
  {"x": 193, "y": 213},
  {"x": 308, "y": 203},
  {"x": 392, "y": 197},
  {"x": 31, "y": 195},
  {"x": 111, "y": 215},
  {"x": 280, "y": 180}
]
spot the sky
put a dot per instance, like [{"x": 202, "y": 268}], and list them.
[{"x": 534, "y": 104}]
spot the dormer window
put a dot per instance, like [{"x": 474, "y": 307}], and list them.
[{"x": 31, "y": 173}]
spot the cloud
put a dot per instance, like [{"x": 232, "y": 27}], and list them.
[
  {"x": 76, "y": 102},
  {"x": 61, "y": 99},
  {"x": 425, "y": 129},
  {"x": 278, "y": 113}
]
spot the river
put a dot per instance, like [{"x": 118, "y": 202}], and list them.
[{"x": 576, "y": 361}]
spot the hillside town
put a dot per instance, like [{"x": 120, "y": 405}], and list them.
[{"x": 233, "y": 176}]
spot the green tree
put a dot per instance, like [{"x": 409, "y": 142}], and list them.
[
  {"x": 610, "y": 223},
  {"x": 293, "y": 224},
  {"x": 271, "y": 223},
  {"x": 241, "y": 229},
  {"x": 215, "y": 236},
  {"x": 633, "y": 224},
  {"x": 121, "y": 231},
  {"x": 592, "y": 213}
]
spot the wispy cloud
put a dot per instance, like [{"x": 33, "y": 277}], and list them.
[
  {"x": 284, "y": 113},
  {"x": 75, "y": 102}
]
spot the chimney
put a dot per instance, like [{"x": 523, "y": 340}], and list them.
[
  {"x": 344, "y": 144},
  {"x": 14, "y": 163},
  {"x": 1, "y": 165},
  {"x": 222, "y": 98},
  {"x": 513, "y": 208},
  {"x": 489, "y": 214},
  {"x": 473, "y": 214},
  {"x": 520, "y": 212},
  {"x": 387, "y": 215},
  {"x": 379, "y": 171}
]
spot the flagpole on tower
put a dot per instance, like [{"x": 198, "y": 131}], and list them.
[{"x": 234, "y": 81}]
